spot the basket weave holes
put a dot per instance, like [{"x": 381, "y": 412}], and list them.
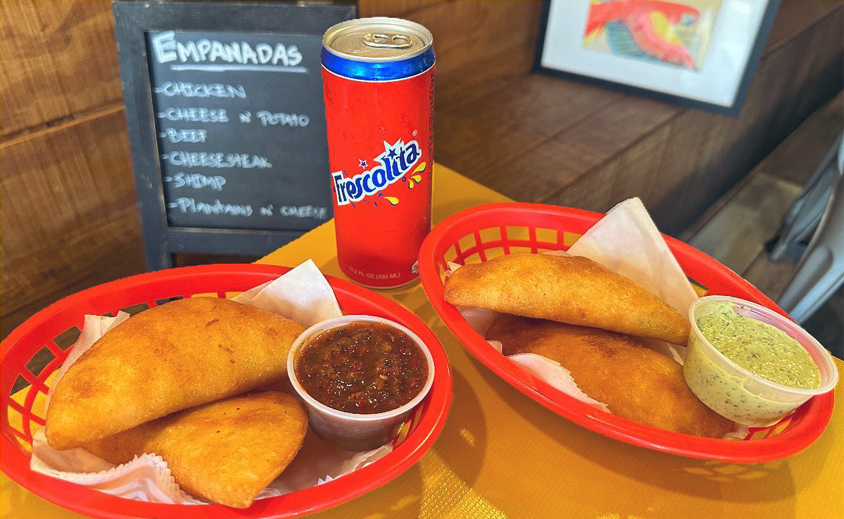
[
  {"x": 518, "y": 235},
  {"x": 40, "y": 360},
  {"x": 466, "y": 246},
  {"x": 569, "y": 238},
  {"x": 491, "y": 235},
  {"x": 450, "y": 254},
  {"x": 550, "y": 239},
  {"x": 15, "y": 418},
  {"x": 494, "y": 252},
  {"x": 472, "y": 258},
  {"x": 67, "y": 338},
  {"x": 135, "y": 309},
  {"x": 167, "y": 300},
  {"x": 518, "y": 240},
  {"x": 19, "y": 384}
]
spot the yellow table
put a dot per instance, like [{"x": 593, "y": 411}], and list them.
[{"x": 503, "y": 455}]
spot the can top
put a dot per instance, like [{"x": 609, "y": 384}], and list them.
[{"x": 377, "y": 39}]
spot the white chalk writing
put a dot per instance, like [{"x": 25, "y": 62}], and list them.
[
  {"x": 217, "y": 160},
  {"x": 196, "y": 181},
  {"x": 304, "y": 211},
  {"x": 186, "y": 135},
  {"x": 167, "y": 49},
  {"x": 190, "y": 205},
  {"x": 282, "y": 119},
  {"x": 195, "y": 115},
  {"x": 185, "y": 89}
]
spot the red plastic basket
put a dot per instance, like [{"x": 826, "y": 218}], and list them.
[
  {"x": 483, "y": 232},
  {"x": 50, "y": 329}
]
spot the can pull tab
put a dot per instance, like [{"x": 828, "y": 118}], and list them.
[{"x": 380, "y": 40}]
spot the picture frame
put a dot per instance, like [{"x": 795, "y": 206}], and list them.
[
  {"x": 696, "y": 53},
  {"x": 148, "y": 36}
]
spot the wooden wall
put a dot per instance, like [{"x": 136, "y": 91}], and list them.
[
  {"x": 67, "y": 200},
  {"x": 67, "y": 209},
  {"x": 551, "y": 140}
]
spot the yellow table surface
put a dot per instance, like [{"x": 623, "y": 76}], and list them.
[{"x": 503, "y": 455}]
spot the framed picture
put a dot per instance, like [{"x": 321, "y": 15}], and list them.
[{"x": 700, "y": 53}]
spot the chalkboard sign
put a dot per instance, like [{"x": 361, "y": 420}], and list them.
[{"x": 226, "y": 121}]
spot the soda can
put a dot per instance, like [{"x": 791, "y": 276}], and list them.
[{"x": 378, "y": 80}]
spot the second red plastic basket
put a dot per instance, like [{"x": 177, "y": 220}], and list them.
[{"x": 484, "y": 232}]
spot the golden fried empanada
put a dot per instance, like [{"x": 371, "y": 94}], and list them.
[
  {"x": 226, "y": 451},
  {"x": 567, "y": 289},
  {"x": 634, "y": 381},
  {"x": 165, "y": 359}
]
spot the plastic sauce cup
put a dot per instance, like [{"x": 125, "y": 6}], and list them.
[
  {"x": 352, "y": 431},
  {"x": 734, "y": 392}
]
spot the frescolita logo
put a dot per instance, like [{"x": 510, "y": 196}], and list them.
[{"x": 395, "y": 162}]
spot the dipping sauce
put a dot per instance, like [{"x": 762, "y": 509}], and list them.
[
  {"x": 745, "y": 369},
  {"x": 362, "y": 368},
  {"x": 763, "y": 349}
]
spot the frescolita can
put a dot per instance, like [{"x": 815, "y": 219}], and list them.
[{"x": 378, "y": 79}]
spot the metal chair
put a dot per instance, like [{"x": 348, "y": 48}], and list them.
[{"x": 820, "y": 271}]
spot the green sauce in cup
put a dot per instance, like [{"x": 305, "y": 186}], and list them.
[
  {"x": 759, "y": 347},
  {"x": 751, "y": 364}
]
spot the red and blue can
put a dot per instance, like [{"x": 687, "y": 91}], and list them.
[{"x": 378, "y": 77}]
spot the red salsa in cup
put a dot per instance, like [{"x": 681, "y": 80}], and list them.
[{"x": 362, "y": 368}]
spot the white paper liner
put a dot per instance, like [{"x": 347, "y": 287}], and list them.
[
  {"x": 304, "y": 295},
  {"x": 549, "y": 371},
  {"x": 627, "y": 242}
]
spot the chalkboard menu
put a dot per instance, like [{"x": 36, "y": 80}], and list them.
[{"x": 226, "y": 121}]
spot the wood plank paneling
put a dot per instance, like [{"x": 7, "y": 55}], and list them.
[
  {"x": 67, "y": 207},
  {"x": 394, "y": 8},
  {"x": 480, "y": 45},
  {"x": 582, "y": 127},
  {"x": 815, "y": 57},
  {"x": 479, "y": 136},
  {"x": 59, "y": 59},
  {"x": 795, "y": 17},
  {"x": 591, "y": 192},
  {"x": 633, "y": 171},
  {"x": 595, "y": 162},
  {"x": 109, "y": 268},
  {"x": 645, "y": 158}
]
